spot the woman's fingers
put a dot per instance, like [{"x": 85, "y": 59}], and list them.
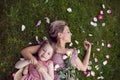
[{"x": 87, "y": 44}]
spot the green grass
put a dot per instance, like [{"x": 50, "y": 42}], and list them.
[{"x": 15, "y": 13}]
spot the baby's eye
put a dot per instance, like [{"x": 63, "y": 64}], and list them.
[
  {"x": 48, "y": 53},
  {"x": 44, "y": 50}
]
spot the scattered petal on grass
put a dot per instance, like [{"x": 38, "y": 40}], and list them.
[
  {"x": 83, "y": 31},
  {"x": 88, "y": 74},
  {"x": 102, "y": 44},
  {"x": 93, "y": 23},
  {"x": 78, "y": 51},
  {"x": 92, "y": 73},
  {"x": 90, "y": 35},
  {"x": 109, "y": 45},
  {"x": 47, "y": 20},
  {"x": 101, "y": 72},
  {"x": 103, "y": 6},
  {"x": 103, "y": 24},
  {"x": 70, "y": 44},
  {"x": 89, "y": 68},
  {"x": 100, "y": 77},
  {"x": 85, "y": 72},
  {"x": 109, "y": 11},
  {"x": 100, "y": 17},
  {"x": 101, "y": 11},
  {"x": 76, "y": 42},
  {"x": 90, "y": 62},
  {"x": 95, "y": 19},
  {"x": 97, "y": 67},
  {"x": 13, "y": 75},
  {"x": 105, "y": 62},
  {"x": 98, "y": 49},
  {"x": 38, "y": 23},
  {"x": 23, "y": 27},
  {"x": 30, "y": 43},
  {"x": 36, "y": 37},
  {"x": 69, "y": 10},
  {"x": 96, "y": 60},
  {"x": 107, "y": 56}
]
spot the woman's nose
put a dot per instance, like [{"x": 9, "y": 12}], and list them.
[{"x": 70, "y": 33}]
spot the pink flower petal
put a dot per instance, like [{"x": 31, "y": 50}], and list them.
[
  {"x": 38, "y": 23},
  {"x": 96, "y": 60},
  {"x": 109, "y": 45},
  {"x": 100, "y": 17},
  {"x": 85, "y": 72},
  {"x": 109, "y": 11},
  {"x": 13, "y": 75},
  {"x": 107, "y": 56},
  {"x": 101, "y": 11},
  {"x": 92, "y": 73}
]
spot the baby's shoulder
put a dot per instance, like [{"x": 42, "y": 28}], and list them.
[{"x": 49, "y": 62}]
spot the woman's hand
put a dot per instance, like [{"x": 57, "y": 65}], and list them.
[{"x": 87, "y": 45}]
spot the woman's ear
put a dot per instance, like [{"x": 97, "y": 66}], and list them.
[{"x": 60, "y": 35}]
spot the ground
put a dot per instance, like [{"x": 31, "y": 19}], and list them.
[{"x": 15, "y": 14}]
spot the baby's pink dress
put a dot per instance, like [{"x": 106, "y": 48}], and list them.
[
  {"x": 58, "y": 60},
  {"x": 33, "y": 73}
]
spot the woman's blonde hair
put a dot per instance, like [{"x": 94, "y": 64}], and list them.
[{"x": 56, "y": 27}]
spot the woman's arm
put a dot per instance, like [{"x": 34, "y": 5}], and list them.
[
  {"x": 47, "y": 74},
  {"x": 83, "y": 65},
  {"x": 28, "y": 51}
]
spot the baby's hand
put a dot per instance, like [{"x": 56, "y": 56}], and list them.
[
  {"x": 33, "y": 61},
  {"x": 87, "y": 45},
  {"x": 25, "y": 70}
]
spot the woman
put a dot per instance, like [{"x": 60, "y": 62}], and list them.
[{"x": 60, "y": 35}]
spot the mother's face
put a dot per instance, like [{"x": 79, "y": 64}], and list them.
[{"x": 66, "y": 35}]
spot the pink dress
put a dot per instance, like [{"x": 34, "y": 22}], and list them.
[
  {"x": 58, "y": 59},
  {"x": 33, "y": 73}
]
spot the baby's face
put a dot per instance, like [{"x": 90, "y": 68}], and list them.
[{"x": 45, "y": 53}]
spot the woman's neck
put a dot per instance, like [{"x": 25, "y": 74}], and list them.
[
  {"x": 60, "y": 47},
  {"x": 60, "y": 44}
]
